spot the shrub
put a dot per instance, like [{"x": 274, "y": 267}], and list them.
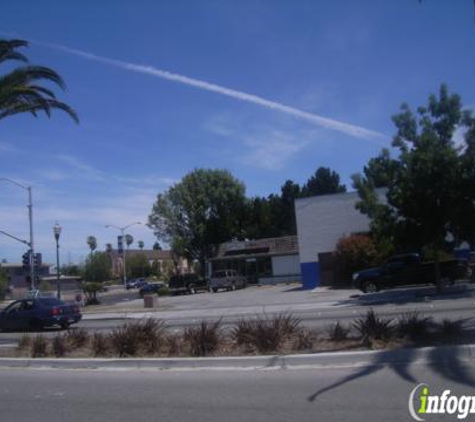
[
  {"x": 39, "y": 347},
  {"x": 204, "y": 339},
  {"x": 45, "y": 286},
  {"x": 150, "y": 334},
  {"x": 357, "y": 252},
  {"x": 59, "y": 346},
  {"x": 413, "y": 326},
  {"x": 450, "y": 331},
  {"x": 174, "y": 344},
  {"x": 303, "y": 341},
  {"x": 337, "y": 332},
  {"x": 371, "y": 328},
  {"x": 265, "y": 334},
  {"x": 77, "y": 337},
  {"x": 100, "y": 344},
  {"x": 125, "y": 340},
  {"x": 25, "y": 342},
  {"x": 164, "y": 291}
]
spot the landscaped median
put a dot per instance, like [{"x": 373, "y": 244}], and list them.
[{"x": 262, "y": 341}]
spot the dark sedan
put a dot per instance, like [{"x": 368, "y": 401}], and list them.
[
  {"x": 150, "y": 288},
  {"x": 35, "y": 314}
]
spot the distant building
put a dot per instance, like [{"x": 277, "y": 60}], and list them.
[
  {"x": 263, "y": 261},
  {"x": 17, "y": 276},
  {"x": 162, "y": 258}
]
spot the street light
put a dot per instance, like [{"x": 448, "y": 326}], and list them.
[
  {"x": 122, "y": 229},
  {"x": 30, "y": 218},
  {"x": 57, "y": 232}
]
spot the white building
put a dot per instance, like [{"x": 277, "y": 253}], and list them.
[{"x": 321, "y": 222}]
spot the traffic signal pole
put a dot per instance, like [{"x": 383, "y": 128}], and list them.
[{"x": 32, "y": 248}]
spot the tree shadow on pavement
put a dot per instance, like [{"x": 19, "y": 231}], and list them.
[{"x": 446, "y": 363}]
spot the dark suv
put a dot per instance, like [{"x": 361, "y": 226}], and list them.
[{"x": 186, "y": 283}]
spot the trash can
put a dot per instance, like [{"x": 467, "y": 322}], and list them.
[{"x": 149, "y": 301}]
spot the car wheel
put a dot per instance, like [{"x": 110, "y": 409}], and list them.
[
  {"x": 215, "y": 289},
  {"x": 35, "y": 325},
  {"x": 370, "y": 287},
  {"x": 64, "y": 325}
]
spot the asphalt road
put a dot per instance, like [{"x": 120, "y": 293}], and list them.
[
  {"x": 370, "y": 393},
  {"x": 316, "y": 310}
]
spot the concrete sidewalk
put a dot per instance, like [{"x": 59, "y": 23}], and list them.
[{"x": 402, "y": 357}]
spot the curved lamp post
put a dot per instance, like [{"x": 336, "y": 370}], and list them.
[
  {"x": 122, "y": 229},
  {"x": 57, "y": 233}
]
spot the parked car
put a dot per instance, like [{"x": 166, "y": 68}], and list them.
[
  {"x": 408, "y": 269},
  {"x": 150, "y": 288},
  {"x": 37, "y": 313},
  {"x": 226, "y": 279},
  {"x": 186, "y": 283},
  {"x": 135, "y": 283}
]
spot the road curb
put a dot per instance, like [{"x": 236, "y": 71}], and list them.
[{"x": 274, "y": 362}]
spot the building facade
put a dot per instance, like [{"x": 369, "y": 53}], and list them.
[
  {"x": 321, "y": 222},
  {"x": 261, "y": 261}
]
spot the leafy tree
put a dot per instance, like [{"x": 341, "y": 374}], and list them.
[
  {"x": 323, "y": 182},
  {"x": 98, "y": 267},
  {"x": 138, "y": 266},
  {"x": 290, "y": 191},
  {"x": 157, "y": 247},
  {"x": 140, "y": 244},
  {"x": 432, "y": 194},
  {"x": 201, "y": 211},
  {"x": 71, "y": 270},
  {"x": 21, "y": 90},
  {"x": 129, "y": 240},
  {"x": 357, "y": 252},
  {"x": 3, "y": 283},
  {"x": 381, "y": 170},
  {"x": 92, "y": 243},
  {"x": 109, "y": 248}
]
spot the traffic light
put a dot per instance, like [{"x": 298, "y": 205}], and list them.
[
  {"x": 37, "y": 261},
  {"x": 26, "y": 261}
]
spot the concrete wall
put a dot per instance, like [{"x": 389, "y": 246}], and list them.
[
  {"x": 285, "y": 265},
  {"x": 321, "y": 222}
]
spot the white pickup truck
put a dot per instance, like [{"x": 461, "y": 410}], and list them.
[{"x": 226, "y": 279}]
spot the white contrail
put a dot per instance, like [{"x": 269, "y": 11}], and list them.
[{"x": 349, "y": 129}]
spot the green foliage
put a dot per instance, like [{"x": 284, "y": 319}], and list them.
[
  {"x": 338, "y": 332},
  {"x": 71, "y": 270},
  {"x": 21, "y": 90},
  {"x": 157, "y": 247},
  {"x": 414, "y": 326},
  {"x": 44, "y": 286},
  {"x": 138, "y": 265},
  {"x": 91, "y": 289},
  {"x": 432, "y": 183},
  {"x": 92, "y": 243},
  {"x": 39, "y": 347},
  {"x": 372, "y": 328},
  {"x": 3, "y": 283},
  {"x": 98, "y": 267},
  {"x": 203, "y": 210},
  {"x": 323, "y": 182},
  {"x": 357, "y": 252}
]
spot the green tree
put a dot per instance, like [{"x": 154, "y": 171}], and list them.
[
  {"x": 71, "y": 270},
  {"x": 157, "y": 247},
  {"x": 141, "y": 244},
  {"x": 432, "y": 194},
  {"x": 92, "y": 243},
  {"x": 381, "y": 170},
  {"x": 3, "y": 283},
  {"x": 21, "y": 89},
  {"x": 323, "y": 182},
  {"x": 201, "y": 211},
  {"x": 129, "y": 239},
  {"x": 109, "y": 248},
  {"x": 98, "y": 267},
  {"x": 138, "y": 266}
]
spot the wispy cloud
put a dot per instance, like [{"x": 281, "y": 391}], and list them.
[
  {"x": 315, "y": 119},
  {"x": 6, "y": 147}
]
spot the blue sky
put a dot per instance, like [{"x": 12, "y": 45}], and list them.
[{"x": 262, "y": 74}]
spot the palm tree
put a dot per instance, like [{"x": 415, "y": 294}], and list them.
[
  {"x": 20, "y": 89},
  {"x": 109, "y": 247},
  {"x": 92, "y": 242},
  {"x": 129, "y": 240},
  {"x": 141, "y": 244}
]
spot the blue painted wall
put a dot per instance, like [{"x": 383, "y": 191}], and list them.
[{"x": 311, "y": 277}]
